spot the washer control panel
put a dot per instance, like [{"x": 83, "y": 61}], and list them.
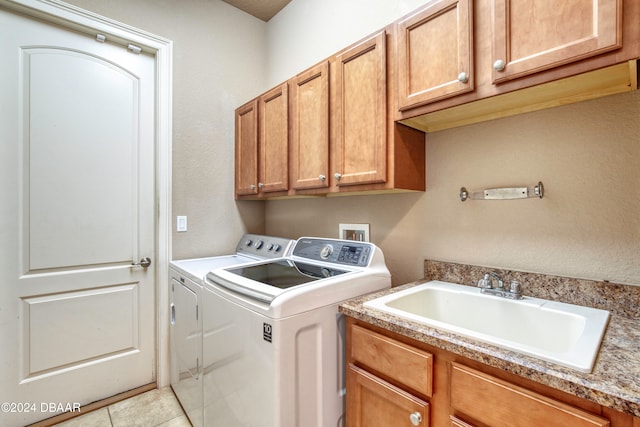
[
  {"x": 335, "y": 251},
  {"x": 264, "y": 246}
]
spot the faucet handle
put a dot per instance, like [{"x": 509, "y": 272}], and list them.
[
  {"x": 514, "y": 288},
  {"x": 485, "y": 282}
]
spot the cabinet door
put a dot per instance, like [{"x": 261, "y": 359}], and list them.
[
  {"x": 247, "y": 149},
  {"x": 534, "y": 35},
  {"x": 372, "y": 402},
  {"x": 274, "y": 140},
  {"x": 310, "y": 126},
  {"x": 360, "y": 113},
  {"x": 435, "y": 53}
]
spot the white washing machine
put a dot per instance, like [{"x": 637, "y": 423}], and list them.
[
  {"x": 277, "y": 356},
  {"x": 186, "y": 306}
]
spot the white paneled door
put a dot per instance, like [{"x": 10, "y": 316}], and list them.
[{"x": 77, "y": 197}]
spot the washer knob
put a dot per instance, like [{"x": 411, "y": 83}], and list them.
[
  {"x": 326, "y": 252},
  {"x": 248, "y": 242},
  {"x": 259, "y": 244}
]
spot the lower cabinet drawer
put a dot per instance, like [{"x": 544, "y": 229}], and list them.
[
  {"x": 373, "y": 402},
  {"x": 405, "y": 365},
  {"x": 495, "y": 402}
]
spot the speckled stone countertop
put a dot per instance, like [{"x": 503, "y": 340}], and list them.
[{"x": 615, "y": 379}]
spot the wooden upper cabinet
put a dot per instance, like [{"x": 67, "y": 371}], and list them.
[
  {"x": 535, "y": 35},
  {"x": 310, "y": 128},
  {"x": 274, "y": 140},
  {"x": 435, "y": 53},
  {"x": 359, "y": 113},
  {"x": 246, "y": 173}
]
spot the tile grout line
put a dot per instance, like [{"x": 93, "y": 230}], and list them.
[{"x": 109, "y": 414}]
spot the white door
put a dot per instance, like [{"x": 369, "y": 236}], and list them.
[{"x": 77, "y": 321}]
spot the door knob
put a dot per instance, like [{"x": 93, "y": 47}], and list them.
[{"x": 144, "y": 262}]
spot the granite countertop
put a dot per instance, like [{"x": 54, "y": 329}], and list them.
[{"x": 614, "y": 381}]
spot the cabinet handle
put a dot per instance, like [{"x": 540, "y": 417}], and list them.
[
  {"x": 260, "y": 185},
  {"x": 499, "y": 65},
  {"x": 463, "y": 77},
  {"x": 337, "y": 176},
  {"x": 322, "y": 177},
  {"x": 252, "y": 187},
  {"x": 415, "y": 418}
]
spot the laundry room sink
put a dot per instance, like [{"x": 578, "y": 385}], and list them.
[{"x": 566, "y": 334}]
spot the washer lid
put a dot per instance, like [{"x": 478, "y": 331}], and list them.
[{"x": 285, "y": 273}]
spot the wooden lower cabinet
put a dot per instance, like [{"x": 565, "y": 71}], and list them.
[
  {"x": 393, "y": 380},
  {"x": 374, "y": 402},
  {"x": 504, "y": 403}
]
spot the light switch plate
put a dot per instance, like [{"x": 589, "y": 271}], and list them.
[{"x": 181, "y": 223}]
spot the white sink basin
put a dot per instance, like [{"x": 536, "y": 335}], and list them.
[{"x": 566, "y": 334}]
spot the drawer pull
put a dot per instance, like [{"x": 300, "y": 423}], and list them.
[{"x": 415, "y": 418}]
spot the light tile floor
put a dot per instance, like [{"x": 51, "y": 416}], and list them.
[{"x": 155, "y": 408}]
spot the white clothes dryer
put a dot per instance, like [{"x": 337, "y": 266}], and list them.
[{"x": 187, "y": 308}]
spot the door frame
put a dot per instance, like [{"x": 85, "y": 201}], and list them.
[{"x": 77, "y": 19}]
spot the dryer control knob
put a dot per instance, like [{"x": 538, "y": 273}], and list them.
[{"x": 259, "y": 244}]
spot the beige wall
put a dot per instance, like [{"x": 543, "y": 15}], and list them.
[{"x": 219, "y": 53}]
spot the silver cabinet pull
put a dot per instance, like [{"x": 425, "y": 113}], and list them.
[
  {"x": 499, "y": 65},
  {"x": 337, "y": 176},
  {"x": 463, "y": 77},
  {"x": 173, "y": 314},
  {"x": 252, "y": 187},
  {"x": 415, "y": 418},
  {"x": 322, "y": 177},
  {"x": 144, "y": 263}
]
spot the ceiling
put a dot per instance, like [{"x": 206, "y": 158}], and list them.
[{"x": 261, "y": 9}]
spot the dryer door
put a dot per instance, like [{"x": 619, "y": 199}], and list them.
[{"x": 186, "y": 348}]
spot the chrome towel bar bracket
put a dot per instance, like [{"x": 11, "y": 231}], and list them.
[{"x": 503, "y": 193}]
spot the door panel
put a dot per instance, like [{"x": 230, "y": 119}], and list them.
[
  {"x": 361, "y": 113},
  {"x": 50, "y": 346},
  {"x": 310, "y": 128},
  {"x": 77, "y": 320},
  {"x": 429, "y": 71},
  {"x": 534, "y": 35},
  {"x": 80, "y": 159},
  {"x": 274, "y": 139},
  {"x": 247, "y": 149}
]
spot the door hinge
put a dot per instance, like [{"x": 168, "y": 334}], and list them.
[
  {"x": 197, "y": 312},
  {"x": 133, "y": 48}
]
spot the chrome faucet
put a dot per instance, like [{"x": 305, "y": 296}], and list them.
[{"x": 486, "y": 287}]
